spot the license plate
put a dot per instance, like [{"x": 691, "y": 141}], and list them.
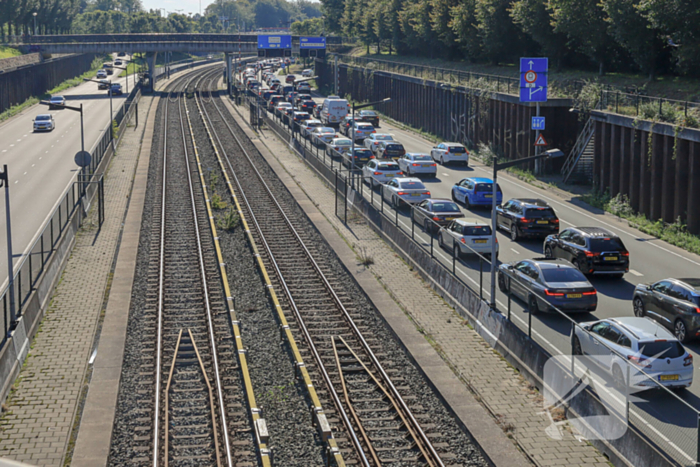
[
  {"x": 574, "y": 295},
  {"x": 415, "y": 194},
  {"x": 363, "y": 158},
  {"x": 389, "y": 175},
  {"x": 425, "y": 165},
  {"x": 543, "y": 222},
  {"x": 449, "y": 218},
  {"x": 668, "y": 377},
  {"x": 610, "y": 258},
  {"x": 479, "y": 241},
  {"x": 488, "y": 196}
]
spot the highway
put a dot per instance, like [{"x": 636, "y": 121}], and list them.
[
  {"x": 662, "y": 416},
  {"x": 41, "y": 165}
]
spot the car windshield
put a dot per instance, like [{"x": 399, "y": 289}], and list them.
[
  {"x": 412, "y": 186},
  {"x": 362, "y": 152},
  {"x": 486, "y": 187},
  {"x": 606, "y": 244},
  {"x": 540, "y": 213},
  {"x": 563, "y": 275},
  {"x": 343, "y": 142},
  {"x": 661, "y": 349},
  {"x": 476, "y": 230},
  {"x": 388, "y": 167},
  {"x": 457, "y": 150},
  {"x": 327, "y": 130},
  {"x": 394, "y": 147},
  {"x": 422, "y": 158},
  {"x": 57, "y": 99},
  {"x": 445, "y": 206},
  {"x": 383, "y": 137},
  {"x": 365, "y": 127},
  {"x": 42, "y": 118},
  {"x": 368, "y": 113}
]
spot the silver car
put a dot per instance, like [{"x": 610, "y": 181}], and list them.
[
  {"x": 308, "y": 126},
  {"x": 361, "y": 130},
  {"x": 377, "y": 172},
  {"x": 44, "y": 122},
  {"x": 338, "y": 145},
  {"x": 322, "y": 135},
  {"x": 57, "y": 102},
  {"x": 417, "y": 164},
  {"x": 373, "y": 141},
  {"x": 404, "y": 191},
  {"x": 472, "y": 236}
]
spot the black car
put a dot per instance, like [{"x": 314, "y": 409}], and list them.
[
  {"x": 434, "y": 213},
  {"x": 116, "y": 89},
  {"x": 674, "y": 303},
  {"x": 308, "y": 106},
  {"x": 392, "y": 150},
  {"x": 274, "y": 100},
  {"x": 370, "y": 116},
  {"x": 344, "y": 126},
  {"x": 527, "y": 218},
  {"x": 362, "y": 156},
  {"x": 593, "y": 250}
]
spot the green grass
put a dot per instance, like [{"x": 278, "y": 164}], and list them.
[
  {"x": 7, "y": 52},
  {"x": 15, "y": 109},
  {"x": 675, "y": 233}
]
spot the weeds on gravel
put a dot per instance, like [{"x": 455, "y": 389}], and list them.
[
  {"x": 230, "y": 220},
  {"x": 364, "y": 257},
  {"x": 217, "y": 202}
]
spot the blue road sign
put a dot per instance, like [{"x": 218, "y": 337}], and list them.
[
  {"x": 533, "y": 79},
  {"x": 312, "y": 42},
  {"x": 538, "y": 123},
  {"x": 275, "y": 42}
]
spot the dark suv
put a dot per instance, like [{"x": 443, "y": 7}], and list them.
[
  {"x": 593, "y": 250},
  {"x": 527, "y": 218},
  {"x": 674, "y": 303}
]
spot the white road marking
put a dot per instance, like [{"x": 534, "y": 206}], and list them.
[
  {"x": 25, "y": 136},
  {"x": 16, "y": 181},
  {"x": 515, "y": 251},
  {"x": 19, "y": 140},
  {"x": 636, "y": 273},
  {"x": 4, "y": 150},
  {"x": 12, "y": 145},
  {"x": 445, "y": 174},
  {"x": 25, "y": 173},
  {"x": 32, "y": 165}
]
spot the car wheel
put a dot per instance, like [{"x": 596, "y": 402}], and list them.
[
  {"x": 577, "y": 347},
  {"x": 454, "y": 198},
  {"x": 440, "y": 242},
  {"x": 467, "y": 204},
  {"x": 502, "y": 284},
  {"x": 547, "y": 252},
  {"x": 532, "y": 305},
  {"x": 514, "y": 233},
  {"x": 680, "y": 331},
  {"x": 638, "y": 306},
  {"x": 442, "y": 161}
]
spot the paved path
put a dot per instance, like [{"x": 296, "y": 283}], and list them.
[
  {"x": 41, "y": 409},
  {"x": 515, "y": 404}
]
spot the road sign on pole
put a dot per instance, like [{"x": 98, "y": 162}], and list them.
[
  {"x": 537, "y": 123},
  {"x": 540, "y": 141},
  {"x": 533, "y": 79}
]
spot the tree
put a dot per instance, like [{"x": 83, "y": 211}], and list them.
[
  {"x": 464, "y": 24},
  {"x": 334, "y": 11},
  {"x": 308, "y": 27},
  {"x": 440, "y": 16},
  {"x": 499, "y": 37},
  {"x": 535, "y": 19}
]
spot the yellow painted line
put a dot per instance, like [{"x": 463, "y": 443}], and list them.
[
  {"x": 250, "y": 394},
  {"x": 298, "y": 361}
]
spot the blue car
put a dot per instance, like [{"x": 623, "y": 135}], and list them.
[{"x": 476, "y": 192}]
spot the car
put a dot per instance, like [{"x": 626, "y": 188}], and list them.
[
  {"x": 345, "y": 124},
  {"x": 103, "y": 84},
  {"x": 527, "y": 218},
  {"x": 360, "y": 130},
  {"x": 361, "y": 156},
  {"x": 304, "y": 87},
  {"x": 417, "y": 164},
  {"x": 675, "y": 303},
  {"x": 116, "y": 89},
  {"x": 307, "y": 73},
  {"x": 333, "y": 110},
  {"x": 337, "y": 146},
  {"x": 373, "y": 141},
  {"x": 377, "y": 173},
  {"x": 300, "y": 117},
  {"x": 472, "y": 236},
  {"x": 290, "y": 79},
  {"x": 44, "y": 122},
  {"x": 308, "y": 126},
  {"x": 285, "y": 90},
  {"x": 404, "y": 191},
  {"x": 274, "y": 101},
  {"x": 548, "y": 284},
  {"x": 282, "y": 108},
  {"x": 614, "y": 343},
  {"x": 370, "y": 116},
  {"x": 308, "y": 106},
  {"x": 267, "y": 94},
  {"x": 322, "y": 135},
  {"x": 476, "y": 191},
  {"x": 57, "y": 102},
  {"x": 121, "y": 54},
  {"x": 390, "y": 150},
  {"x": 299, "y": 97},
  {"x": 275, "y": 87},
  {"x": 118, "y": 62},
  {"x": 594, "y": 250},
  {"x": 101, "y": 74},
  {"x": 291, "y": 96},
  {"x": 434, "y": 213},
  {"x": 448, "y": 153}
]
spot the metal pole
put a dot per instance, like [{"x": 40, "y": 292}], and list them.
[
  {"x": 336, "y": 75},
  {"x": 10, "y": 268},
  {"x": 481, "y": 278},
  {"x": 538, "y": 164},
  {"x": 352, "y": 146},
  {"x": 454, "y": 259},
  {"x": 493, "y": 235},
  {"x": 111, "y": 116}
]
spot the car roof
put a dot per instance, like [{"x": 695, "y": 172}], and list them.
[
  {"x": 413, "y": 154},
  {"x": 386, "y": 162},
  {"x": 452, "y": 144},
  {"x": 472, "y": 221},
  {"x": 44, "y": 115},
  {"x": 532, "y": 202},
  {"x": 552, "y": 263},
  {"x": 312, "y": 120},
  {"x": 480, "y": 179},
  {"x": 642, "y": 328},
  {"x": 595, "y": 231},
  {"x": 693, "y": 284},
  {"x": 408, "y": 179}
]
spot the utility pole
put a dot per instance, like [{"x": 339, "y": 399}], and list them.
[
  {"x": 336, "y": 75},
  {"x": 5, "y": 179}
]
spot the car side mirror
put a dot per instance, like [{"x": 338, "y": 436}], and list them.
[{"x": 648, "y": 287}]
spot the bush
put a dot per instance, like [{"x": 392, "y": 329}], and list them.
[{"x": 229, "y": 221}]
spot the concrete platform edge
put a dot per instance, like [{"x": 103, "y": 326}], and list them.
[{"x": 496, "y": 446}]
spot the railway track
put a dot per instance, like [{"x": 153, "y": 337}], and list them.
[{"x": 379, "y": 420}]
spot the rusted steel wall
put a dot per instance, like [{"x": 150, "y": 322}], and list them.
[
  {"x": 457, "y": 113},
  {"x": 656, "y": 165},
  {"x": 34, "y": 80}
]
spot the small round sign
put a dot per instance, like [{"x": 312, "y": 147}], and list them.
[
  {"x": 530, "y": 76},
  {"x": 83, "y": 159}
]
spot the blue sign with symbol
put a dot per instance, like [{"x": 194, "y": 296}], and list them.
[
  {"x": 533, "y": 79},
  {"x": 275, "y": 42},
  {"x": 312, "y": 42},
  {"x": 538, "y": 123}
]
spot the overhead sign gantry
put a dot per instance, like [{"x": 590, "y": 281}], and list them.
[{"x": 279, "y": 45}]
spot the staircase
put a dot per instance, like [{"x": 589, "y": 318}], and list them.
[{"x": 579, "y": 164}]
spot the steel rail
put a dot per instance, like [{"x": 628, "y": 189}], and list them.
[{"x": 421, "y": 434}]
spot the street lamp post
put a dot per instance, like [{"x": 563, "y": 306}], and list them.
[
  {"x": 35, "y": 31},
  {"x": 5, "y": 180},
  {"x": 551, "y": 154},
  {"x": 75, "y": 109},
  {"x": 352, "y": 146},
  {"x": 111, "y": 112},
  {"x": 126, "y": 76}
]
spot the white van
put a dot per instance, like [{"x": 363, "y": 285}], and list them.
[{"x": 333, "y": 111}]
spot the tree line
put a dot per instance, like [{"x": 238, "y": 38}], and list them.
[
  {"x": 124, "y": 16},
  {"x": 651, "y": 36}
]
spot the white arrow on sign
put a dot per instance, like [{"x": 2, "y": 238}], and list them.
[
  {"x": 532, "y": 91},
  {"x": 531, "y": 63}
]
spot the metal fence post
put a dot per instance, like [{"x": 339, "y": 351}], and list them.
[
  {"x": 396, "y": 210},
  {"x": 573, "y": 334},
  {"x": 454, "y": 259},
  {"x": 413, "y": 224},
  {"x": 381, "y": 196},
  {"x": 336, "y": 193},
  {"x": 481, "y": 278},
  {"x": 509, "y": 296},
  {"x": 431, "y": 243},
  {"x": 529, "y": 323}
]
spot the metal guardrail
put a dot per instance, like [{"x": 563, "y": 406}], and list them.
[
  {"x": 30, "y": 268},
  {"x": 673, "y": 111},
  {"x": 680, "y": 440}
]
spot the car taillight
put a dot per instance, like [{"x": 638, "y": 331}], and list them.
[
  {"x": 374, "y": 132},
  {"x": 591, "y": 254},
  {"x": 554, "y": 221},
  {"x": 401, "y": 193},
  {"x": 377, "y": 173},
  {"x": 376, "y": 143},
  {"x": 553, "y": 294},
  {"x": 371, "y": 157},
  {"x": 463, "y": 240},
  {"x": 433, "y": 165},
  {"x": 639, "y": 360},
  {"x": 525, "y": 221},
  {"x": 403, "y": 152},
  {"x": 427, "y": 193},
  {"x": 697, "y": 310},
  {"x": 688, "y": 360},
  {"x": 592, "y": 292},
  {"x": 415, "y": 165},
  {"x": 624, "y": 253},
  {"x": 436, "y": 218},
  {"x": 399, "y": 173}
]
